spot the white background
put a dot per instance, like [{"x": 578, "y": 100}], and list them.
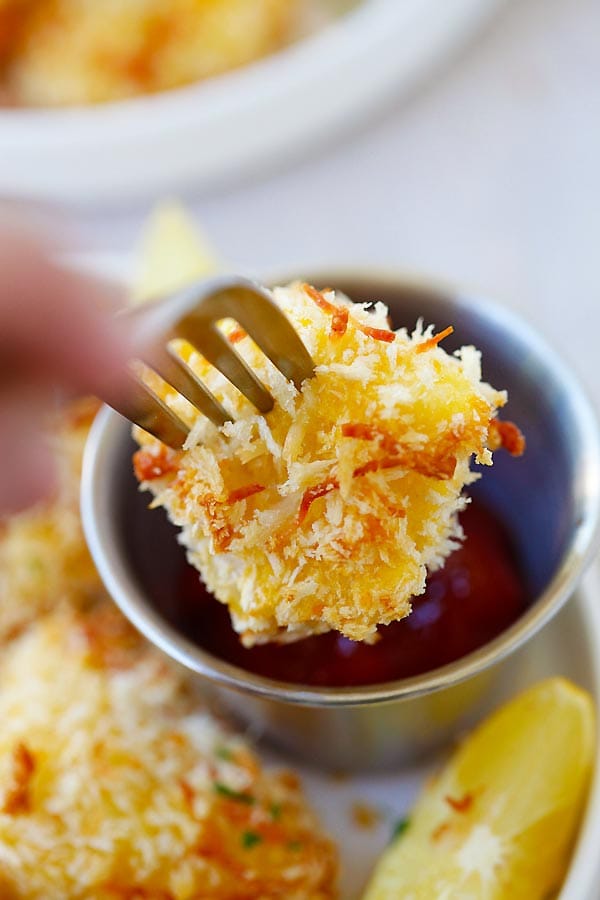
[{"x": 488, "y": 175}]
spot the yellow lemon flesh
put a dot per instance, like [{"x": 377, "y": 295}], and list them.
[
  {"x": 500, "y": 820},
  {"x": 173, "y": 254}
]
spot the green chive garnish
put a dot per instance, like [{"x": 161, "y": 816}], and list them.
[
  {"x": 228, "y": 792},
  {"x": 399, "y": 828},
  {"x": 250, "y": 839}
]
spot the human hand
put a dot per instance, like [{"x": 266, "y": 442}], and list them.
[{"x": 58, "y": 339}]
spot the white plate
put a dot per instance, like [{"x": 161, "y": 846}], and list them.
[
  {"x": 569, "y": 646},
  {"x": 235, "y": 123}
]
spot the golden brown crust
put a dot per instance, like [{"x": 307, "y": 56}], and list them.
[
  {"x": 288, "y": 515},
  {"x": 117, "y": 785},
  {"x": 148, "y": 465},
  {"x": 17, "y": 798},
  {"x": 44, "y": 559},
  {"x": 507, "y": 435},
  {"x": 66, "y": 52}
]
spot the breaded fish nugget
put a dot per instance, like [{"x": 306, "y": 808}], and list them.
[
  {"x": 114, "y": 785},
  {"x": 326, "y": 513}
]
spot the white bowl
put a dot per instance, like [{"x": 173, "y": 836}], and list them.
[{"x": 237, "y": 122}]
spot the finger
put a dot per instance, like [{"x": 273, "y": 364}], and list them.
[
  {"x": 27, "y": 473},
  {"x": 57, "y": 323}
]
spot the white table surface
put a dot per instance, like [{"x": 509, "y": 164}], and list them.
[{"x": 489, "y": 175}]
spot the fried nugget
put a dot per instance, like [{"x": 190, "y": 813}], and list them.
[
  {"x": 44, "y": 560},
  {"x": 326, "y": 513},
  {"x": 113, "y": 784},
  {"x": 69, "y": 52}
]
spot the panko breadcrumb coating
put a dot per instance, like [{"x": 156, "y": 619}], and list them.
[
  {"x": 64, "y": 52},
  {"x": 327, "y": 513},
  {"x": 113, "y": 786},
  {"x": 44, "y": 560}
]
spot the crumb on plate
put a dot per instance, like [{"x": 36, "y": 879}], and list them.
[{"x": 364, "y": 815}]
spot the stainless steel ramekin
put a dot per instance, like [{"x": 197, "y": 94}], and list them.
[{"x": 550, "y": 498}]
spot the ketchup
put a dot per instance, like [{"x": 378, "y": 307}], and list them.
[{"x": 480, "y": 592}]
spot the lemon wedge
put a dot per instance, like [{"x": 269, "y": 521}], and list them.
[
  {"x": 500, "y": 820},
  {"x": 172, "y": 254}
]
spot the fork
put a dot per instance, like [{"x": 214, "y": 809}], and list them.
[{"x": 193, "y": 315}]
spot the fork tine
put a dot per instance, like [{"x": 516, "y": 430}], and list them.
[
  {"x": 145, "y": 409},
  {"x": 175, "y": 372},
  {"x": 212, "y": 344},
  {"x": 272, "y": 331},
  {"x": 267, "y": 325},
  {"x": 192, "y": 314}
]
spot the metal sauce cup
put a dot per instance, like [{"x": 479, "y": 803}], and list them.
[{"x": 550, "y": 500}]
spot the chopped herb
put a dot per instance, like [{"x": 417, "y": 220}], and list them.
[
  {"x": 224, "y": 753},
  {"x": 399, "y": 828},
  {"x": 228, "y": 792},
  {"x": 250, "y": 839},
  {"x": 275, "y": 811},
  {"x": 294, "y": 845}
]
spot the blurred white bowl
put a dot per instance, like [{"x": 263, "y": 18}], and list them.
[{"x": 237, "y": 122}]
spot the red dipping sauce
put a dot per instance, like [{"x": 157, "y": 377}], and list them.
[{"x": 480, "y": 592}]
